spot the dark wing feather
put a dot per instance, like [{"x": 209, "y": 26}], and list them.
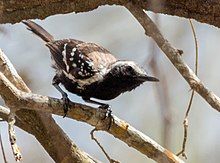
[
  {"x": 81, "y": 66},
  {"x": 79, "y": 60},
  {"x": 97, "y": 54},
  {"x": 57, "y": 48}
]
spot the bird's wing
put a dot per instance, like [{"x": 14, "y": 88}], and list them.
[
  {"x": 57, "y": 49},
  {"x": 101, "y": 57},
  {"x": 79, "y": 60}
]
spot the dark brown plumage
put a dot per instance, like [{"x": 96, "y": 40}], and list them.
[{"x": 89, "y": 70}]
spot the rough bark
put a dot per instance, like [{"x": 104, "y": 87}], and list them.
[
  {"x": 41, "y": 125},
  {"x": 14, "y": 11}
]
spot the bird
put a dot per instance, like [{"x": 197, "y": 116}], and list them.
[{"x": 89, "y": 70}]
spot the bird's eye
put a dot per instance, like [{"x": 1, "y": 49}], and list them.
[{"x": 129, "y": 68}]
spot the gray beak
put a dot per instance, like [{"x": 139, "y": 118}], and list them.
[
  {"x": 148, "y": 78},
  {"x": 153, "y": 79}
]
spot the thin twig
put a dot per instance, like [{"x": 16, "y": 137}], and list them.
[
  {"x": 4, "y": 110},
  {"x": 100, "y": 146},
  {"x": 174, "y": 56},
  {"x": 185, "y": 122},
  {"x": 12, "y": 138},
  {"x": 3, "y": 150}
]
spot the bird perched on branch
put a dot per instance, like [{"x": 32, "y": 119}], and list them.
[{"x": 89, "y": 70}]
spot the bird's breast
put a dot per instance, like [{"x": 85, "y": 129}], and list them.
[{"x": 99, "y": 90}]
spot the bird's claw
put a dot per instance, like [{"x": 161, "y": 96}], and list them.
[
  {"x": 105, "y": 106},
  {"x": 108, "y": 114},
  {"x": 65, "y": 104},
  {"x": 108, "y": 110}
]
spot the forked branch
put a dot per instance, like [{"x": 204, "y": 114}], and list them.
[
  {"x": 92, "y": 116},
  {"x": 174, "y": 55},
  {"x": 41, "y": 125}
]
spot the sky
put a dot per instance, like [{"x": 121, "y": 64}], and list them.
[{"x": 117, "y": 30}]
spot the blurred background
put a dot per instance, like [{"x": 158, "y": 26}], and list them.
[{"x": 156, "y": 109}]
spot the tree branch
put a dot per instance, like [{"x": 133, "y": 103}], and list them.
[
  {"x": 14, "y": 11},
  {"x": 41, "y": 125},
  {"x": 174, "y": 56},
  {"x": 119, "y": 129},
  {"x": 92, "y": 116},
  {"x": 4, "y": 111}
]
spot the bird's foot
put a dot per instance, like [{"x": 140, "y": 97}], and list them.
[
  {"x": 108, "y": 114},
  {"x": 107, "y": 108},
  {"x": 66, "y": 102}
]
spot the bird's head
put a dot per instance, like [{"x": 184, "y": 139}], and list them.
[{"x": 129, "y": 74}]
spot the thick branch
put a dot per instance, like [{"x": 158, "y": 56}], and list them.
[
  {"x": 174, "y": 56},
  {"x": 203, "y": 11},
  {"x": 92, "y": 116},
  {"x": 41, "y": 125}
]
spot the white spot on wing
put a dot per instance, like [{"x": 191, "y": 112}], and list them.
[
  {"x": 72, "y": 54},
  {"x": 90, "y": 63},
  {"x": 80, "y": 73},
  {"x": 74, "y": 65},
  {"x": 97, "y": 76},
  {"x": 64, "y": 57}
]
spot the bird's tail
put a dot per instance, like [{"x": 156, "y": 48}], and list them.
[{"x": 38, "y": 30}]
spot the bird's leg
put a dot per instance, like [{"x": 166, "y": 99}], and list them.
[
  {"x": 106, "y": 107},
  {"x": 56, "y": 82},
  {"x": 102, "y": 105}
]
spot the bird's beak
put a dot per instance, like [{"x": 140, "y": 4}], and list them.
[{"x": 148, "y": 78}]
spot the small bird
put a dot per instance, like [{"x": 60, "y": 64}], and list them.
[{"x": 89, "y": 70}]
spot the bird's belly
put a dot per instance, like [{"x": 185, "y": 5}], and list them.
[
  {"x": 94, "y": 90},
  {"x": 102, "y": 93}
]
